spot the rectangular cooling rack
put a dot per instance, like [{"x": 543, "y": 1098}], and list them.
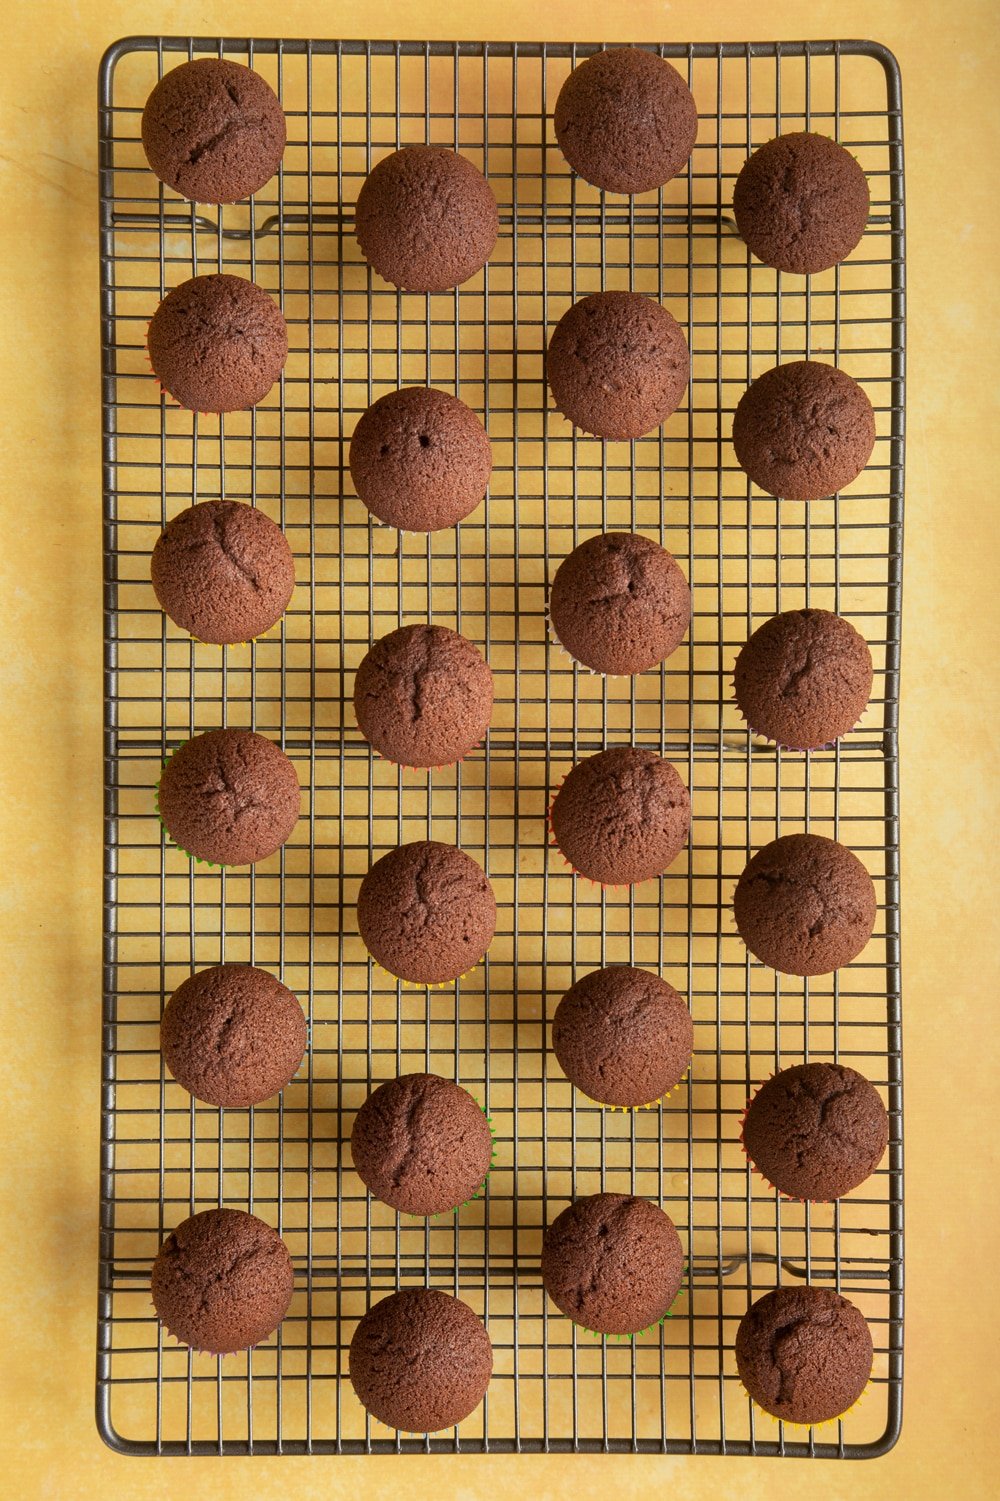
[{"x": 353, "y": 338}]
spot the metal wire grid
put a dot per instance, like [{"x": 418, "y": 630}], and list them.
[{"x": 352, "y": 338}]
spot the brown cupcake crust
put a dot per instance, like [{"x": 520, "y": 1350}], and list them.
[
  {"x": 217, "y": 343},
  {"x": 213, "y": 130},
  {"x": 426, "y": 912},
  {"x": 623, "y": 1036},
  {"x": 626, "y": 120},
  {"x": 223, "y": 571},
  {"x": 617, "y": 364},
  {"x": 620, "y": 603},
  {"x": 420, "y": 1360},
  {"x": 816, "y": 1131},
  {"x": 801, "y": 203},
  {"x": 233, "y": 1035},
  {"x": 803, "y": 430},
  {"x": 804, "y": 1354},
  {"x": 612, "y": 1263},
  {"x": 420, "y": 459},
  {"x": 804, "y": 678},
  {"x": 805, "y": 905},
  {"x": 621, "y": 816},
  {"x": 423, "y": 696},
  {"x": 222, "y": 1281},
  {"x": 231, "y": 797},
  {"x": 426, "y": 219},
  {"x": 421, "y": 1144}
]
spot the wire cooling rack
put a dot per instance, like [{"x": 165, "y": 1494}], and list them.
[{"x": 353, "y": 338}]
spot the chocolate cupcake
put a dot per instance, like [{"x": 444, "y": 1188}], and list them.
[
  {"x": 805, "y": 905},
  {"x": 801, "y": 203},
  {"x": 426, "y": 219},
  {"x": 621, "y": 816},
  {"x": 804, "y": 1354},
  {"x": 420, "y": 1360},
  {"x": 613, "y": 1263},
  {"x": 213, "y": 130},
  {"x": 421, "y": 1145},
  {"x": 426, "y": 913},
  {"x": 233, "y": 1035},
  {"x": 617, "y": 364},
  {"x": 230, "y": 797},
  {"x": 816, "y": 1131},
  {"x": 626, "y": 120},
  {"x": 420, "y": 459},
  {"x": 619, "y": 603},
  {"x": 223, "y": 571},
  {"x": 803, "y": 679},
  {"x": 222, "y": 1281},
  {"x": 423, "y": 696},
  {"x": 217, "y": 343},
  {"x": 803, "y": 430},
  {"x": 623, "y": 1036}
]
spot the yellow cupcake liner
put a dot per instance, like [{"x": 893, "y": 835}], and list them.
[
  {"x": 685, "y": 1078},
  {"x": 809, "y": 1427},
  {"x": 424, "y": 984}
]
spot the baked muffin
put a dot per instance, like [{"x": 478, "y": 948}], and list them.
[
  {"x": 816, "y": 1131},
  {"x": 217, "y": 343},
  {"x": 619, "y": 603},
  {"x": 426, "y": 912},
  {"x": 801, "y": 203},
  {"x": 613, "y": 1263},
  {"x": 623, "y": 1036},
  {"x": 804, "y": 1354},
  {"x": 621, "y": 816},
  {"x": 803, "y": 679},
  {"x": 423, "y": 696},
  {"x": 420, "y": 459},
  {"x": 617, "y": 364},
  {"x": 213, "y": 130},
  {"x": 420, "y": 1360},
  {"x": 233, "y": 1035},
  {"x": 426, "y": 219},
  {"x": 222, "y": 1281},
  {"x": 421, "y": 1145},
  {"x": 626, "y": 120},
  {"x": 223, "y": 571},
  {"x": 805, "y": 905},
  {"x": 230, "y": 797},
  {"x": 803, "y": 430}
]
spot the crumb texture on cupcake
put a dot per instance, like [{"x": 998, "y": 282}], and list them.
[
  {"x": 804, "y": 1353},
  {"x": 217, "y": 343},
  {"x": 612, "y": 1263},
  {"x": 803, "y": 679},
  {"x": 621, "y": 816},
  {"x": 623, "y": 1036},
  {"x": 421, "y": 1144},
  {"x": 420, "y": 1360},
  {"x": 803, "y": 430},
  {"x": 626, "y": 120},
  {"x": 423, "y": 696},
  {"x": 222, "y": 1281},
  {"x": 801, "y": 203},
  {"x": 816, "y": 1131},
  {"x": 426, "y": 912},
  {"x": 805, "y": 905},
  {"x": 230, "y": 796},
  {"x": 619, "y": 603},
  {"x": 617, "y": 364}
]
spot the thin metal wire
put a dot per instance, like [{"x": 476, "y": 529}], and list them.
[{"x": 163, "y": 1155}]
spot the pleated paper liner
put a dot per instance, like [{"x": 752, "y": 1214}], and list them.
[
  {"x": 214, "y": 1354},
  {"x": 649, "y": 1105},
  {"x": 638, "y": 1333},
  {"x": 424, "y": 984},
  {"x": 614, "y": 677},
  {"x": 790, "y": 1198},
  {"x": 798, "y": 750},
  {"x": 197, "y": 859},
  {"x": 809, "y": 1427}
]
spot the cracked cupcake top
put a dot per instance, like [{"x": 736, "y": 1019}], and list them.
[
  {"x": 816, "y": 1131},
  {"x": 801, "y": 203},
  {"x": 619, "y": 603},
  {"x": 423, "y": 696},
  {"x": 804, "y": 1353},
  {"x": 222, "y": 1281},
  {"x": 617, "y": 364},
  {"x": 213, "y": 130},
  {"x": 223, "y": 571},
  {"x": 421, "y": 1144},
  {"x": 230, "y": 797},
  {"x": 623, "y": 1036},
  {"x": 613, "y": 1263},
  {"x": 426, "y": 912},
  {"x": 803, "y": 430},
  {"x": 805, "y": 905},
  {"x": 803, "y": 679},
  {"x": 217, "y": 343},
  {"x": 621, "y": 816}
]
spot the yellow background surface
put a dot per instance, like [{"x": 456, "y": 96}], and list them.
[{"x": 51, "y": 799}]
